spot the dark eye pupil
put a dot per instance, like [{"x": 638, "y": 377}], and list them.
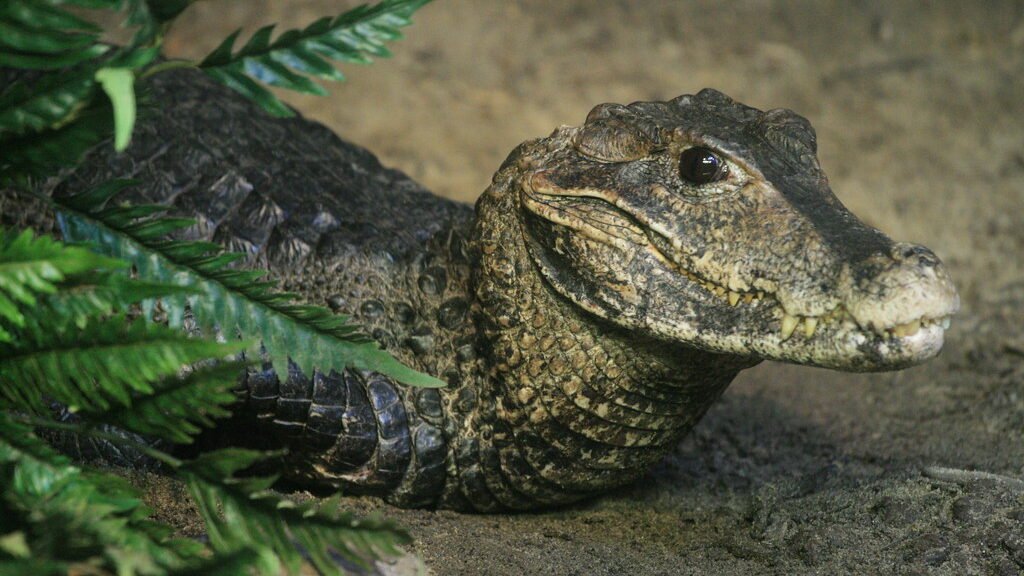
[{"x": 700, "y": 165}]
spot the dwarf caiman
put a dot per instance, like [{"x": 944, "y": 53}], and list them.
[{"x": 612, "y": 280}]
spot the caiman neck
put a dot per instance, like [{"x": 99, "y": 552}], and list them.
[{"x": 580, "y": 405}]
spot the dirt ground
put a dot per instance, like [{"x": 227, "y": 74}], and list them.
[{"x": 919, "y": 108}]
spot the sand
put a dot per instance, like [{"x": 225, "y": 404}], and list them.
[{"x": 919, "y": 109}]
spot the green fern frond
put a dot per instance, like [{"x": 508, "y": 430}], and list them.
[
  {"x": 48, "y": 103},
  {"x": 241, "y": 562},
  {"x": 167, "y": 10},
  {"x": 284, "y": 63},
  {"x": 99, "y": 293},
  {"x": 104, "y": 363},
  {"x": 178, "y": 408},
  {"x": 49, "y": 120},
  {"x": 63, "y": 518},
  {"x": 241, "y": 512},
  {"x": 64, "y": 337},
  {"x": 31, "y": 266},
  {"x": 17, "y": 441},
  {"x": 39, "y": 155},
  {"x": 44, "y": 35},
  {"x": 90, "y": 285},
  {"x": 151, "y": 18},
  {"x": 235, "y": 300}
]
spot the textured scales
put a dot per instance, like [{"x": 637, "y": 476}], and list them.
[{"x": 585, "y": 317}]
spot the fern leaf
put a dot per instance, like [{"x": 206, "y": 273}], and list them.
[
  {"x": 107, "y": 362},
  {"x": 351, "y": 37},
  {"x": 119, "y": 84},
  {"x": 167, "y": 10},
  {"x": 31, "y": 266},
  {"x": 41, "y": 154},
  {"x": 241, "y": 562},
  {"x": 234, "y": 300},
  {"x": 243, "y": 512},
  {"x": 68, "y": 519},
  {"x": 178, "y": 407},
  {"x": 43, "y": 35},
  {"x": 151, "y": 18},
  {"x": 18, "y": 441},
  {"x": 96, "y": 294},
  {"x": 46, "y": 104}
]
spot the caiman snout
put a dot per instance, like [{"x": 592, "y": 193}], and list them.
[{"x": 899, "y": 293}]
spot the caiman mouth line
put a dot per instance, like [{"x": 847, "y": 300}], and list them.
[
  {"x": 806, "y": 326},
  {"x": 789, "y": 324}
]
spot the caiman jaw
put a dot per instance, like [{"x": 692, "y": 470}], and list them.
[
  {"x": 922, "y": 331},
  {"x": 886, "y": 312}
]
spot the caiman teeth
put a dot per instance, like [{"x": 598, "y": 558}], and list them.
[
  {"x": 731, "y": 296},
  {"x": 791, "y": 322},
  {"x": 906, "y": 329},
  {"x": 789, "y": 325},
  {"x": 912, "y": 327},
  {"x": 810, "y": 325}
]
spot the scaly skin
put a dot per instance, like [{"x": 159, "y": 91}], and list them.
[{"x": 585, "y": 319}]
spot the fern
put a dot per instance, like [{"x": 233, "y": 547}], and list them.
[
  {"x": 248, "y": 511},
  {"x": 31, "y": 266},
  {"x": 57, "y": 518},
  {"x": 351, "y": 37},
  {"x": 85, "y": 296},
  {"x": 65, "y": 334},
  {"x": 178, "y": 408},
  {"x": 108, "y": 360},
  {"x": 49, "y": 103},
  {"x": 49, "y": 122},
  {"x": 40, "y": 154},
  {"x": 44, "y": 36},
  {"x": 311, "y": 336}
]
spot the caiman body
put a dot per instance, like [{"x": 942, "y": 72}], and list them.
[{"x": 611, "y": 282}]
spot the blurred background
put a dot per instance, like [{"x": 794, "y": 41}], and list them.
[{"x": 919, "y": 110}]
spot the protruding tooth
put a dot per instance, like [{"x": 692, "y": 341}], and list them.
[
  {"x": 945, "y": 323},
  {"x": 720, "y": 291},
  {"x": 907, "y": 329},
  {"x": 789, "y": 325},
  {"x": 876, "y": 329},
  {"x": 748, "y": 297},
  {"x": 810, "y": 324},
  {"x": 734, "y": 298}
]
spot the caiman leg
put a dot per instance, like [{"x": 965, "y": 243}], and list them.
[{"x": 349, "y": 429}]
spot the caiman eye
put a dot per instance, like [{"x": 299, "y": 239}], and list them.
[{"x": 700, "y": 166}]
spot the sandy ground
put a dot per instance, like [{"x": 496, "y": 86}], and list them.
[{"x": 919, "y": 108}]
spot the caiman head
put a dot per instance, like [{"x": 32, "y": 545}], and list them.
[{"x": 711, "y": 224}]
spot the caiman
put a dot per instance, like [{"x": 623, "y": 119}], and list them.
[{"x": 612, "y": 280}]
